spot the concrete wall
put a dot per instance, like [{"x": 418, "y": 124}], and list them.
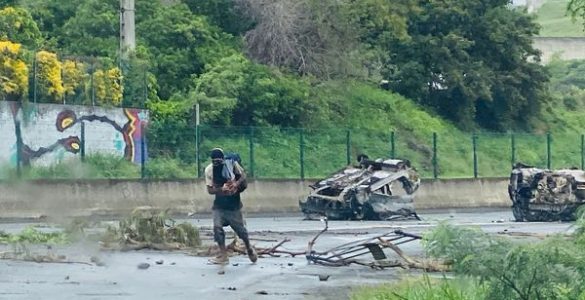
[
  {"x": 52, "y": 132},
  {"x": 531, "y": 5},
  {"x": 566, "y": 47},
  {"x": 107, "y": 197}
]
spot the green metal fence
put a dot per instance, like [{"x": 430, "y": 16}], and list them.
[
  {"x": 174, "y": 151},
  {"x": 310, "y": 153}
]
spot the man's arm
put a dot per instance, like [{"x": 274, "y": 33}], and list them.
[
  {"x": 239, "y": 170},
  {"x": 212, "y": 188},
  {"x": 216, "y": 190}
]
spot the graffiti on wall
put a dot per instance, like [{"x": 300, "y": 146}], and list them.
[
  {"x": 70, "y": 144},
  {"x": 131, "y": 131},
  {"x": 50, "y": 133}
]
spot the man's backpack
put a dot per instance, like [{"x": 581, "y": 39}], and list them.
[{"x": 236, "y": 157}]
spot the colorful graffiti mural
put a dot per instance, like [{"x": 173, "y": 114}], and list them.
[{"x": 51, "y": 132}]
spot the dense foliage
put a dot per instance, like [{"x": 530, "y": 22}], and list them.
[
  {"x": 550, "y": 269},
  {"x": 286, "y": 64},
  {"x": 471, "y": 62},
  {"x": 488, "y": 267}
]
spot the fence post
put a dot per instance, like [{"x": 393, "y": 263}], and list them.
[
  {"x": 18, "y": 149},
  {"x": 92, "y": 86},
  {"x": 64, "y": 94},
  {"x": 348, "y": 146},
  {"x": 35, "y": 77},
  {"x": 145, "y": 91},
  {"x": 251, "y": 151},
  {"x": 513, "y": 146},
  {"x": 582, "y": 151},
  {"x": 474, "y": 142},
  {"x": 548, "y": 154},
  {"x": 198, "y": 149},
  {"x": 142, "y": 151},
  {"x": 392, "y": 145},
  {"x": 435, "y": 173},
  {"x": 82, "y": 146},
  {"x": 302, "y": 153}
]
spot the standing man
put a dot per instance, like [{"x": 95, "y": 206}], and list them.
[{"x": 226, "y": 179}]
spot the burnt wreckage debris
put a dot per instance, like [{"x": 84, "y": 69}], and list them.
[
  {"x": 545, "y": 195},
  {"x": 377, "y": 252},
  {"x": 365, "y": 192}
]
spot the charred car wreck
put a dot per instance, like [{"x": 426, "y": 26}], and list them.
[
  {"x": 543, "y": 195},
  {"x": 365, "y": 192}
]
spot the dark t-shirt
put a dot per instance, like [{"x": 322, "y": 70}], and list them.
[{"x": 231, "y": 202}]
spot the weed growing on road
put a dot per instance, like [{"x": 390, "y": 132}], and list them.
[
  {"x": 151, "y": 229},
  {"x": 425, "y": 288},
  {"x": 501, "y": 268},
  {"x": 551, "y": 269},
  {"x": 34, "y": 236}
]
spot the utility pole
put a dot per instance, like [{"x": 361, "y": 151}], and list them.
[
  {"x": 127, "y": 38},
  {"x": 127, "y": 27}
]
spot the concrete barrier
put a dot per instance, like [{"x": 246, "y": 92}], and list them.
[
  {"x": 566, "y": 47},
  {"x": 55, "y": 198}
]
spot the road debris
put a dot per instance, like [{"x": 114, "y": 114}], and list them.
[
  {"x": 374, "y": 252},
  {"x": 149, "y": 228},
  {"x": 39, "y": 258},
  {"x": 323, "y": 277},
  {"x": 143, "y": 266},
  {"x": 533, "y": 234}
]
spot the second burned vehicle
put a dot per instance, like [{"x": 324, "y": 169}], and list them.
[
  {"x": 365, "y": 192},
  {"x": 546, "y": 195}
]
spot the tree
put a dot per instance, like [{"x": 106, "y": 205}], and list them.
[
  {"x": 108, "y": 88},
  {"x": 307, "y": 37},
  {"x": 180, "y": 44},
  {"x": 139, "y": 83},
  {"x": 236, "y": 91},
  {"x": 4, "y": 3},
  {"x": 93, "y": 30},
  {"x": 227, "y": 14},
  {"x": 471, "y": 61},
  {"x": 13, "y": 72},
  {"x": 577, "y": 10},
  {"x": 51, "y": 15},
  {"x": 74, "y": 76},
  {"x": 17, "y": 25},
  {"x": 217, "y": 89},
  {"x": 48, "y": 77}
]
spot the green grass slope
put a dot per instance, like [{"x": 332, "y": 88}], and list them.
[
  {"x": 555, "y": 22},
  {"x": 288, "y": 153}
]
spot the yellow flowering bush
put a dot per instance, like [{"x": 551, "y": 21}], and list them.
[
  {"x": 49, "y": 80},
  {"x": 73, "y": 76},
  {"x": 13, "y": 72},
  {"x": 108, "y": 86}
]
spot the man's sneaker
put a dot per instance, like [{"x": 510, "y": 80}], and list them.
[
  {"x": 219, "y": 260},
  {"x": 252, "y": 255}
]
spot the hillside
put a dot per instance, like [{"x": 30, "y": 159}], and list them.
[
  {"x": 375, "y": 116},
  {"x": 555, "y": 22}
]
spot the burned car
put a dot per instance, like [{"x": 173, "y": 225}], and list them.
[
  {"x": 365, "y": 192},
  {"x": 545, "y": 195}
]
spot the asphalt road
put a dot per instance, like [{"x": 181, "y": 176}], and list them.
[{"x": 182, "y": 276}]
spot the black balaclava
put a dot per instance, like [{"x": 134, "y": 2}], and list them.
[{"x": 217, "y": 169}]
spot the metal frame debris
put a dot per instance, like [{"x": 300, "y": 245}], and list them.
[{"x": 356, "y": 252}]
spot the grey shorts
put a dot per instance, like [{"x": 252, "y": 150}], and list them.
[{"x": 224, "y": 217}]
